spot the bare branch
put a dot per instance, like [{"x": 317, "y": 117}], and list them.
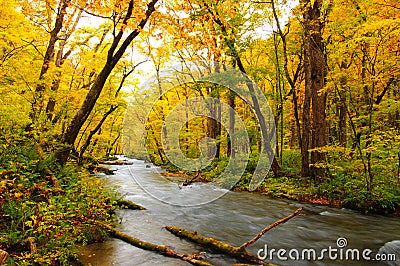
[{"x": 269, "y": 227}]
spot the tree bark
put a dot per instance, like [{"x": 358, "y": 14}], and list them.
[{"x": 315, "y": 71}]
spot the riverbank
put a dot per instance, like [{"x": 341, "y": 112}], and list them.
[
  {"x": 47, "y": 211},
  {"x": 339, "y": 190}
]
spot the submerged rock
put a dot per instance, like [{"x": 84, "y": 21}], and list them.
[{"x": 391, "y": 250}]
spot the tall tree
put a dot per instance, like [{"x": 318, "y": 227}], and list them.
[{"x": 314, "y": 135}]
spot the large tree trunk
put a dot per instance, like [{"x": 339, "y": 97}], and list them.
[
  {"x": 314, "y": 84},
  {"x": 316, "y": 53},
  {"x": 114, "y": 55}
]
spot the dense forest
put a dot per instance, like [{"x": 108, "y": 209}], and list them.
[
  {"x": 330, "y": 74},
  {"x": 74, "y": 91}
]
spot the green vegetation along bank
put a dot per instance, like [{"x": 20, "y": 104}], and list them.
[{"x": 47, "y": 212}]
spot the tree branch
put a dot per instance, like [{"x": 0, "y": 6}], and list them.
[
  {"x": 380, "y": 96},
  {"x": 121, "y": 31},
  {"x": 269, "y": 227}
]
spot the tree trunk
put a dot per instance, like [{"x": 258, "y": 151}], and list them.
[
  {"x": 231, "y": 101},
  {"x": 230, "y": 43},
  {"x": 60, "y": 59},
  {"x": 37, "y": 105},
  {"x": 342, "y": 122},
  {"x": 292, "y": 80},
  {"x": 213, "y": 129},
  {"x": 112, "y": 145},
  {"x": 93, "y": 132},
  {"x": 305, "y": 132},
  {"x": 314, "y": 84}
]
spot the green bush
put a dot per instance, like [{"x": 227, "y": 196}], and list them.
[{"x": 57, "y": 218}]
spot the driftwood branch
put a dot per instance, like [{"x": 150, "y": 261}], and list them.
[
  {"x": 269, "y": 227},
  {"x": 187, "y": 182}
]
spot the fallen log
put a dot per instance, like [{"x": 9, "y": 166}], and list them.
[
  {"x": 195, "y": 178},
  {"x": 160, "y": 249},
  {"x": 126, "y": 204},
  {"x": 215, "y": 245},
  {"x": 115, "y": 162},
  {"x": 221, "y": 247},
  {"x": 100, "y": 169}
]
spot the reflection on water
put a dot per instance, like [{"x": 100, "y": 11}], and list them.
[{"x": 234, "y": 218}]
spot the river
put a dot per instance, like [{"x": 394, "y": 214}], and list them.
[{"x": 235, "y": 218}]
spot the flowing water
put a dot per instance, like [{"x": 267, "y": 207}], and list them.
[{"x": 235, "y": 218}]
